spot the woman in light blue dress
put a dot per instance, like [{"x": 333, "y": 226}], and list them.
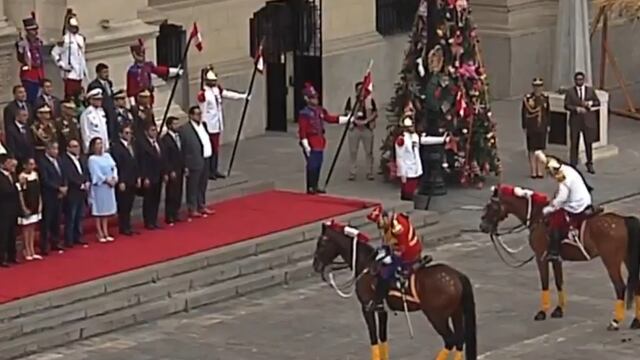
[{"x": 102, "y": 196}]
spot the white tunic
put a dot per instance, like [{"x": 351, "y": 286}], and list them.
[
  {"x": 70, "y": 57},
  {"x": 211, "y": 107},
  {"x": 573, "y": 195},
  {"x": 93, "y": 123},
  {"x": 408, "y": 159}
]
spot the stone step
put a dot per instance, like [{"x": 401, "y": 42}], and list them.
[
  {"x": 154, "y": 273},
  {"x": 171, "y": 295}
]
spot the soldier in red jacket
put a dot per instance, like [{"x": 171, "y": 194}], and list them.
[
  {"x": 29, "y": 53},
  {"x": 400, "y": 250},
  {"x": 311, "y": 132},
  {"x": 139, "y": 75}
]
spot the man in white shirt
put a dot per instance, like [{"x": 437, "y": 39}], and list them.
[
  {"x": 93, "y": 121},
  {"x": 210, "y": 102},
  {"x": 572, "y": 200},
  {"x": 69, "y": 56},
  {"x": 197, "y": 151}
]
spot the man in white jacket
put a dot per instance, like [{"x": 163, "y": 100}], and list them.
[
  {"x": 210, "y": 102},
  {"x": 408, "y": 161},
  {"x": 93, "y": 121},
  {"x": 69, "y": 56}
]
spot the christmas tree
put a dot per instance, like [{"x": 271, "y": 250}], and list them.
[{"x": 443, "y": 81}]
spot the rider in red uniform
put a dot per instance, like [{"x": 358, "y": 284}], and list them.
[{"x": 401, "y": 249}]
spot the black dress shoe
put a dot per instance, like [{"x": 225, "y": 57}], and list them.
[
  {"x": 126, "y": 233},
  {"x": 220, "y": 176},
  {"x": 4, "y": 264},
  {"x": 590, "y": 169}
]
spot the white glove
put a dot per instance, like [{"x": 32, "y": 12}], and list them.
[
  {"x": 305, "y": 146},
  {"x": 383, "y": 256},
  {"x": 343, "y": 119},
  {"x": 351, "y": 232},
  {"x": 547, "y": 210},
  {"x": 175, "y": 72},
  {"x": 431, "y": 140},
  {"x": 421, "y": 70},
  {"x": 247, "y": 96}
]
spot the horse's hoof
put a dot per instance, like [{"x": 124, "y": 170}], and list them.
[
  {"x": 541, "y": 315},
  {"x": 613, "y": 326},
  {"x": 635, "y": 324},
  {"x": 557, "y": 313}
]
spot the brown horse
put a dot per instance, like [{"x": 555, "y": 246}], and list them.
[
  {"x": 442, "y": 293},
  {"x": 612, "y": 237}
]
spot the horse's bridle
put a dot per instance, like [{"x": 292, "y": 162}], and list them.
[
  {"x": 498, "y": 244},
  {"x": 336, "y": 265}
]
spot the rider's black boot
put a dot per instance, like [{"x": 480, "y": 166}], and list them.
[
  {"x": 382, "y": 289},
  {"x": 553, "y": 252}
]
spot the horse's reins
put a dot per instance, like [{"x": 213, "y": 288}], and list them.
[
  {"x": 354, "y": 276},
  {"x": 499, "y": 244}
]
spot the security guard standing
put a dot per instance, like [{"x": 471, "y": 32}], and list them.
[{"x": 536, "y": 114}]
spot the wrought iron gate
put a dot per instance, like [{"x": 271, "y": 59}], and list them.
[{"x": 307, "y": 51}]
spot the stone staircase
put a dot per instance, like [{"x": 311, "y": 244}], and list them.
[{"x": 59, "y": 317}]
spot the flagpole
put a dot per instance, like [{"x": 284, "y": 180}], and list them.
[
  {"x": 175, "y": 83},
  {"x": 346, "y": 128},
  {"x": 244, "y": 110}
]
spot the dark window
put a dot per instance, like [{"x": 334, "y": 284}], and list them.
[{"x": 395, "y": 16}]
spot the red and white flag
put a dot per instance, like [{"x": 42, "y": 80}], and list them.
[
  {"x": 259, "y": 59},
  {"x": 367, "y": 84},
  {"x": 196, "y": 37}
]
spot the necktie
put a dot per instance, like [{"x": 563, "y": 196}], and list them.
[
  {"x": 55, "y": 163},
  {"x": 581, "y": 92},
  {"x": 22, "y": 106},
  {"x": 155, "y": 146},
  {"x": 177, "y": 137}
]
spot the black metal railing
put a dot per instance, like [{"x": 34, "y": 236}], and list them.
[{"x": 395, "y": 16}]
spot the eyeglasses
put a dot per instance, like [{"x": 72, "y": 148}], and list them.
[{"x": 127, "y": 132}]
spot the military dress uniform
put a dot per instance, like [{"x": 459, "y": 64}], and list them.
[
  {"x": 401, "y": 248},
  {"x": 572, "y": 199},
  {"x": 69, "y": 56},
  {"x": 44, "y": 132},
  {"x": 29, "y": 54},
  {"x": 139, "y": 74},
  {"x": 93, "y": 123},
  {"x": 67, "y": 127},
  {"x": 311, "y": 121},
  {"x": 408, "y": 161},
  {"x": 142, "y": 115},
  {"x": 536, "y": 114}
]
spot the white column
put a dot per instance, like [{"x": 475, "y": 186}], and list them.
[{"x": 573, "y": 47}]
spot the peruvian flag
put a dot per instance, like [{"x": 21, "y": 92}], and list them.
[
  {"x": 367, "y": 84},
  {"x": 259, "y": 59},
  {"x": 196, "y": 37}
]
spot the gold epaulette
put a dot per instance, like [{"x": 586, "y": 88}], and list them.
[{"x": 396, "y": 228}]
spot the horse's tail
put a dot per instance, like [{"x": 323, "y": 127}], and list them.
[
  {"x": 633, "y": 257},
  {"x": 469, "y": 313}
]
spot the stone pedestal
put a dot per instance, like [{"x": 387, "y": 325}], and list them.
[
  {"x": 8, "y": 63},
  {"x": 517, "y": 38},
  {"x": 559, "y": 134}
]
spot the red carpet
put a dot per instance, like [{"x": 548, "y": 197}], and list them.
[{"x": 235, "y": 220}]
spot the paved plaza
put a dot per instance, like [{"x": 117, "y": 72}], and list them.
[{"x": 309, "y": 321}]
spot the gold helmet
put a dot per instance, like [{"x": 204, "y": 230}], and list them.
[{"x": 552, "y": 165}]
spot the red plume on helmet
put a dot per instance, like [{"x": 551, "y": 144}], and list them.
[
  {"x": 137, "y": 47},
  {"x": 308, "y": 90}
]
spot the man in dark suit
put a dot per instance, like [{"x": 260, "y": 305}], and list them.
[
  {"x": 9, "y": 208},
  {"x": 19, "y": 103},
  {"x": 19, "y": 138},
  {"x": 104, "y": 83},
  {"x": 582, "y": 102},
  {"x": 47, "y": 97},
  {"x": 54, "y": 190},
  {"x": 76, "y": 174},
  {"x": 173, "y": 157},
  {"x": 124, "y": 154},
  {"x": 197, "y": 151},
  {"x": 152, "y": 172}
]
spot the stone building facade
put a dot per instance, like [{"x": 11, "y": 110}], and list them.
[{"x": 517, "y": 44}]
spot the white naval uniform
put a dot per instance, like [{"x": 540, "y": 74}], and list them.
[
  {"x": 93, "y": 123},
  {"x": 211, "y": 107},
  {"x": 408, "y": 161},
  {"x": 572, "y": 195},
  {"x": 71, "y": 56}
]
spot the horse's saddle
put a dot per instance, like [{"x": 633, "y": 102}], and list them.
[{"x": 592, "y": 211}]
